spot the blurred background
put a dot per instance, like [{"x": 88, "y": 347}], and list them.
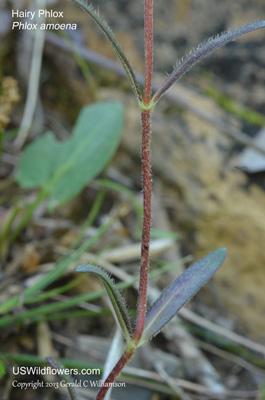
[{"x": 208, "y": 192}]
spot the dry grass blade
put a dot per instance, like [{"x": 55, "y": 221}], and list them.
[
  {"x": 132, "y": 251},
  {"x": 35, "y": 71},
  {"x": 171, "y": 382},
  {"x": 196, "y": 319},
  {"x": 230, "y": 357},
  {"x": 191, "y": 387}
]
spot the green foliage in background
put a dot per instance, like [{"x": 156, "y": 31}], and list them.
[{"x": 62, "y": 169}]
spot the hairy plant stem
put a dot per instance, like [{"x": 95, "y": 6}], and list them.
[
  {"x": 148, "y": 25},
  {"x": 125, "y": 358},
  {"x": 147, "y": 188},
  {"x": 146, "y": 170},
  {"x": 141, "y": 309},
  {"x": 146, "y": 106}
]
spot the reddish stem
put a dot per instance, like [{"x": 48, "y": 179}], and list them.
[
  {"x": 148, "y": 23},
  {"x": 125, "y": 358},
  {"x": 147, "y": 194},
  {"x": 146, "y": 170}
]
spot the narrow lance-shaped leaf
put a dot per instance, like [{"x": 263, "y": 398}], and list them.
[
  {"x": 71, "y": 386},
  {"x": 180, "y": 291},
  {"x": 116, "y": 299},
  {"x": 115, "y": 44},
  {"x": 202, "y": 51}
]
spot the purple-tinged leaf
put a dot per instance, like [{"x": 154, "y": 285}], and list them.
[
  {"x": 180, "y": 291},
  {"x": 203, "y": 50},
  {"x": 60, "y": 370},
  {"x": 115, "y": 296}
]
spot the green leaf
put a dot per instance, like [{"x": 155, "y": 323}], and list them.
[
  {"x": 114, "y": 43},
  {"x": 115, "y": 297},
  {"x": 203, "y": 50},
  {"x": 180, "y": 291},
  {"x": 64, "y": 168},
  {"x": 37, "y": 164},
  {"x": 70, "y": 382}
]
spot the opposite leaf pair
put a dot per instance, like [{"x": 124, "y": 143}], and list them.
[
  {"x": 179, "y": 292},
  {"x": 170, "y": 301}
]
